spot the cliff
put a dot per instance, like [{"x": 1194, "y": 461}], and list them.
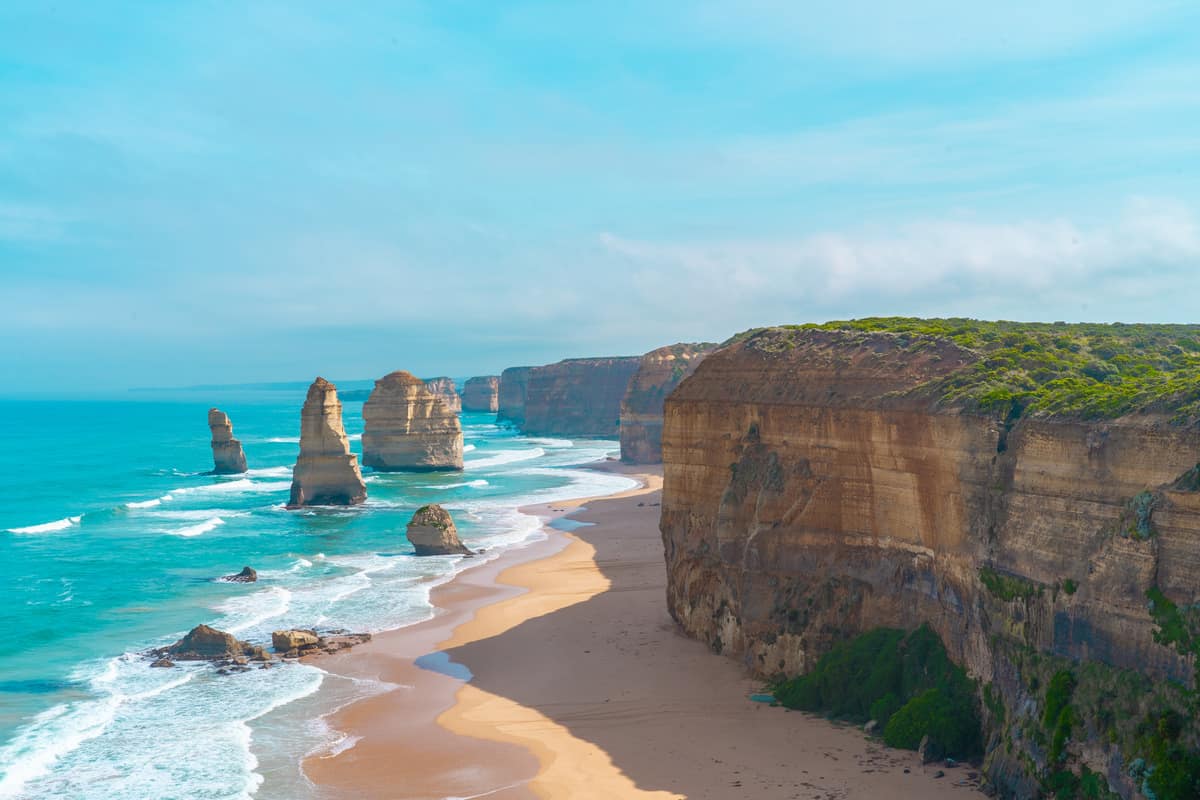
[
  {"x": 511, "y": 398},
  {"x": 408, "y": 427},
  {"x": 823, "y": 483},
  {"x": 228, "y": 456},
  {"x": 577, "y": 397},
  {"x": 482, "y": 394},
  {"x": 326, "y": 472},
  {"x": 444, "y": 388},
  {"x": 658, "y": 373}
]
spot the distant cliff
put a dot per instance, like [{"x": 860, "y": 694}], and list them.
[
  {"x": 1031, "y": 492},
  {"x": 445, "y": 388},
  {"x": 577, "y": 397},
  {"x": 511, "y": 397},
  {"x": 481, "y": 394},
  {"x": 658, "y": 373}
]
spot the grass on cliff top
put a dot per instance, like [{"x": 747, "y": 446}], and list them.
[
  {"x": 1081, "y": 370},
  {"x": 904, "y": 681}
]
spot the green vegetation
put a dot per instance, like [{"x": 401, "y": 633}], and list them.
[
  {"x": 1174, "y": 769},
  {"x": 904, "y": 681},
  {"x": 1178, "y": 628},
  {"x": 1058, "y": 715},
  {"x": 1007, "y": 587},
  {"x": 1086, "y": 370},
  {"x": 1069, "y": 586},
  {"x": 1087, "y": 785},
  {"x": 1138, "y": 512}
]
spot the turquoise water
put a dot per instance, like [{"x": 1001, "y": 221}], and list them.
[{"x": 112, "y": 541}]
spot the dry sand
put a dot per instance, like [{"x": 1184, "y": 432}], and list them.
[{"x": 582, "y": 687}]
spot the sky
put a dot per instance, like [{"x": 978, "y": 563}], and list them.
[{"x": 225, "y": 192}]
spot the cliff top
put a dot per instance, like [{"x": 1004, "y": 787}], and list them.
[
  {"x": 1077, "y": 370},
  {"x": 400, "y": 377}
]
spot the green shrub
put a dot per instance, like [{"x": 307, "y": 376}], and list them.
[
  {"x": 906, "y": 682},
  {"x": 1007, "y": 587}
]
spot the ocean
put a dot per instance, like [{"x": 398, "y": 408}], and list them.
[{"x": 113, "y": 541}]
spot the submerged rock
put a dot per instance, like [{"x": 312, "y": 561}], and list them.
[
  {"x": 481, "y": 394},
  {"x": 409, "y": 428},
  {"x": 433, "y": 533},
  {"x": 296, "y": 643},
  {"x": 326, "y": 472},
  {"x": 247, "y": 575},
  {"x": 444, "y": 388},
  {"x": 228, "y": 456},
  {"x": 282, "y": 641}
]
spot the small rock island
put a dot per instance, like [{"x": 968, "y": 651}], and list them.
[
  {"x": 407, "y": 427},
  {"x": 433, "y": 533}
]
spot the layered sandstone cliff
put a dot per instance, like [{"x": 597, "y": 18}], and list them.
[
  {"x": 326, "y": 472},
  {"x": 482, "y": 394},
  {"x": 577, "y": 397},
  {"x": 511, "y": 397},
  {"x": 228, "y": 456},
  {"x": 407, "y": 427},
  {"x": 445, "y": 389},
  {"x": 658, "y": 373},
  {"x": 814, "y": 490}
]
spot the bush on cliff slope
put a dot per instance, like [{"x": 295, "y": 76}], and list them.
[
  {"x": 904, "y": 681},
  {"x": 1080, "y": 370}
]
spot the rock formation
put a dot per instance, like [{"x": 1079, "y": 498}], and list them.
[
  {"x": 444, "y": 388},
  {"x": 247, "y": 575},
  {"x": 511, "y": 397},
  {"x": 659, "y": 372},
  {"x": 228, "y": 457},
  {"x": 326, "y": 472},
  {"x": 297, "y": 643},
  {"x": 577, "y": 397},
  {"x": 822, "y": 483},
  {"x": 203, "y": 643},
  {"x": 433, "y": 533},
  {"x": 408, "y": 427},
  {"x": 481, "y": 394}
]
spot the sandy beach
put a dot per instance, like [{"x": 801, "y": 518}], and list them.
[{"x": 555, "y": 671}]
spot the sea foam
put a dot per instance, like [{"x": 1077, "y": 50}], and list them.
[{"x": 49, "y": 527}]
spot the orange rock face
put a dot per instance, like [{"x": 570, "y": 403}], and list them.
[
  {"x": 809, "y": 495},
  {"x": 444, "y": 388},
  {"x": 659, "y": 372},
  {"x": 578, "y": 397},
  {"x": 326, "y": 472},
  {"x": 409, "y": 428},
  {"x": 482, "y": 394}
]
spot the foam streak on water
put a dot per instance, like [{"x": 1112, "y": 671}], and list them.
[{"x": 116, "y": 575}]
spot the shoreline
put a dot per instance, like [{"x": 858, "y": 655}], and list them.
[{"x": 554, "y": 670}]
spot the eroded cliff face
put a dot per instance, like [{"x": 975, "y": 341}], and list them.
[
  {"x": 578, "y": 396},
  {"x": 658, "y": 373},
  {"x": 228, "y": 456},
  {"x": 407, "y": 427},
  {"x": 444, "y": 388},
  {"x": 809, "y": 495},
  {"x": 326, "y": 472},
  {"x": 511, "y": 398},
  {"x": 481, "y": 394}
]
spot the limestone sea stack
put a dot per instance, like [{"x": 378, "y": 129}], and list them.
[
  {"x": 433, "y": 533},
  {"x": 409, "y": 428},
  {"x": 659, "y": 372},
  {"x": 481, "y": 394},
  {"x": 578, "y": 397},
  {"x": 326, "y": 472},
  {"x": 228, "y": 456},
  {"x": 510, "y": 400},
  {"x": 444, "y": 388}
]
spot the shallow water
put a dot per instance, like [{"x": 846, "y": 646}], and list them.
[{"x": 112, "y": 540}]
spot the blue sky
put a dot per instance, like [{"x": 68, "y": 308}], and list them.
[{"x": 213, "y": 192}]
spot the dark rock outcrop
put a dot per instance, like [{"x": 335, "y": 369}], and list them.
[
  {"x": 228, "y": 456},
  {"x": 247, "y": 575},
  {"x": 659, "y": 372},
  {"x": 203, "y": 643},
  {"x": 326, "y": 472},
  {"x": 481, "y": 394},
  {"x": 813, "y": 491},
  {"x": 432, "y": 532},
  {"x": 510, "y": 400},
  {"x": 578, "y": 397},
  {"x": 409, "y": 428},
  {"x": 444, "y": 388}
]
